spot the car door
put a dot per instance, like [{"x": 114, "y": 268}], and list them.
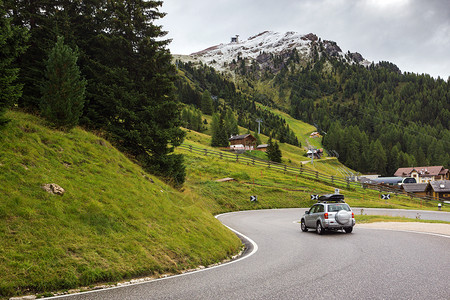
[
  {"x": 309, "y": 218},
  {"x": 318, "y": 215}
]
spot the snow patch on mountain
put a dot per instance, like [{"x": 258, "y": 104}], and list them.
[{"x": 268, "y": 42}]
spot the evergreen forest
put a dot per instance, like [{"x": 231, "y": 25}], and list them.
[
  {"x": 376, "y": 118},
  {"x": 103, "y": 65},
  {"x": 223, "y": 96}
]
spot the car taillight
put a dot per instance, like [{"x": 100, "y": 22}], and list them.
[
  {"x": 325, "y": 215},
  {"x": 353, "y": 215}
]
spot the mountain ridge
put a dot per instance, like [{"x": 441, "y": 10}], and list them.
[{"x": 256, "y": 50}]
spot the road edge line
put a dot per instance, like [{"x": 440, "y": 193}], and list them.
[{"x": 242, "y": 237}]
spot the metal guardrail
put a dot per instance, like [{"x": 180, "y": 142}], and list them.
[{"x": 302, "y": 171}]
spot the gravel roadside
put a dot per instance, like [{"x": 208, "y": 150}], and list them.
[{"x": 436, "y": 228}]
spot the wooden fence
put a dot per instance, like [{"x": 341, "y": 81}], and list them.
[{"x": 303, "y": 171}]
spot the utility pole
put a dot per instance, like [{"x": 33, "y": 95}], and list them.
[
  {"x": 312, "y": 155},
  {"x": 259, "y": 125}
]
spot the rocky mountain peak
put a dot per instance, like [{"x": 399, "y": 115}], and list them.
[{"x": 261, "y": 47}]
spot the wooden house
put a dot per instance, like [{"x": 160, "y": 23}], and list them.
[
  {"x": 247, "y": 140},
  {"x": 424, "y": 174},
  {"x": 439, "y": 189},
  {"x": 417, "y": 188}
]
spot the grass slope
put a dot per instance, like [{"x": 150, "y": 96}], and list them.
[
  {"x": 113, "y": 222},
  {"x": 273, "y": 188}
]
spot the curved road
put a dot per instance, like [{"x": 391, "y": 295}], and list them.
[{"x": 290, "y": 264}]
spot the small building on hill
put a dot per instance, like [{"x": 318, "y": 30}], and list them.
[
  {"x": 316, "y": 152},
  {"x": 235, "y": 39},
  {"x": 314, "y": 134},
  {"x": 439, "y": 189},
  {"x": 419, "y": 189},
  {"x": 247, "y": 140},
  {"x": 424, "y": 174},
  {"x": 262, "y": 147}
]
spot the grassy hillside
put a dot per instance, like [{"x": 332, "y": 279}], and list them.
[
  {"x": 273, "y": 188},
  {"x": 113, "y": 222},
  {"x": 292, "y": 155}
]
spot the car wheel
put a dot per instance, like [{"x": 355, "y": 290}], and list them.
[
  {"x": 348, "y": 229},
  {"x": 319, "y": 228},
  {"x": 303, "y": 226}
]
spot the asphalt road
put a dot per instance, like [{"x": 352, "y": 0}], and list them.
[{"x": 290, "y": 264}]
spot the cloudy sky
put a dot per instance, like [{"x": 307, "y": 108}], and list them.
[{"x": 413, "y": 34}]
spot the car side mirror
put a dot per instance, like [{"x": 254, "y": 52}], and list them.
[{"x": 307, "y": 212}]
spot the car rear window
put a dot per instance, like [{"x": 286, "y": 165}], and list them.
[{"x": 337, "y": 207}]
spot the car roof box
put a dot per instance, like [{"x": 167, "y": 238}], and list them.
[{"x": 332, "y": 198}]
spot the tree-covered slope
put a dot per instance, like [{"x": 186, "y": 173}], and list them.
[
  {"x": 194, "y": 81},
  {"x": 376, "y": 118}
]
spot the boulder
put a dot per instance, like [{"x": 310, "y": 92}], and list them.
[{"x": 53, "y": 188}]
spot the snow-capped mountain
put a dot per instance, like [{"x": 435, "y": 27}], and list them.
[{"x": 258, "y": 47}]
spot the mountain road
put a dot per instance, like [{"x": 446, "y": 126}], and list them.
[{"x": 286, "y": 263}]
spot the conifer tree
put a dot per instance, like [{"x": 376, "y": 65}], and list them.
[
  {"x": 231, "y": 123},
  {"x": 12, "y": 40},
  {"x": 257, "y": 137},
  {"x": 207, "y": 105},
  {"x": 277, "y": 153},
  {"x": 219, "y": 134},
  {"x": 273, "y": 151},
  {"x": 64, "y": 89}
]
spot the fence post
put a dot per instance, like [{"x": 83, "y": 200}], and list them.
[
  {"x": 268, "y": 164},
  {"x": 348, "y": 183},
  {"x": 285, "y": 168},
  {"x": 237, "y": 157},
  {"x": 221, "y": 155},
  {"x": 332, "y": 179},
  {"x": 206, "y": 152},
  {"x": 253, "y": 161},
  {"x": 190, "y": 148},
  {"x": 317, "y": 174}
]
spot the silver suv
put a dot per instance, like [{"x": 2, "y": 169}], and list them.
[{"x": 329, "y": 213}]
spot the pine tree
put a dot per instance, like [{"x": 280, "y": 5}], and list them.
[
  {"x": 231, "y": 123},
  {"x": 277, "y": 153},
  {"x": 273, "y": 151},
  {"x": 64, "y": 89},
  {"x": 207, "y": 105},
  {"x": 378, "y": 157},
  {"x": 12, "y": 40},
  {"x": 219, "y": 135},
  {"x": 257, "y": 137}
]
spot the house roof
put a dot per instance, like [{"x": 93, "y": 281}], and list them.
[
  {"x": 415, "y": 187},
  {"x": 440, "y": 186},
  {"x": 262, "y": 146},
  {"x": 423, "y": 171},
  {"x": 240, "y": 137}
]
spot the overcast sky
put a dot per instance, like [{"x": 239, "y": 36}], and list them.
[{"x": 413, "y": 34}]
